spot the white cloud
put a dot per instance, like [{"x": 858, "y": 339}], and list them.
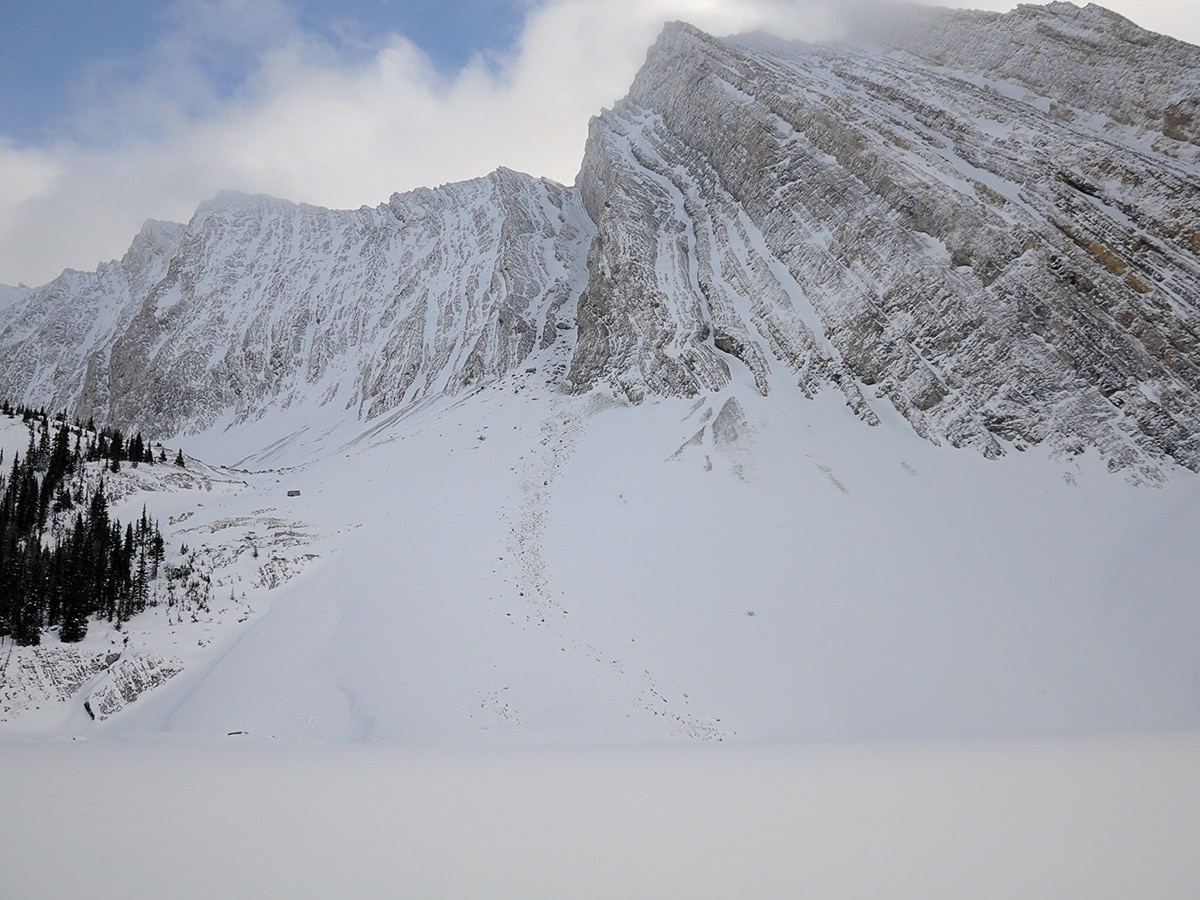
[
  {"x": 24, "y": 176},
  {"x": 238, "y": 96},
  {"x": 159, "y": 135}
]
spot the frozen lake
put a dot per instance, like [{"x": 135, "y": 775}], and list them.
[{"x": 1037, "y": 817}]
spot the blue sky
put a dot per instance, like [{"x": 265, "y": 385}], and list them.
[
  {"x": 115, "y": 111},
  {"x": 54, "y": 49}
]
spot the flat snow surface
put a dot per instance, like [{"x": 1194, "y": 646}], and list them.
[{"x": 1112, "y": 817}]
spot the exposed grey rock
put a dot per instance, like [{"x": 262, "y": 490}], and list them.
[
  {"x": 260, "y": 303},
  {"x": 1001, "y": 275},
  {"x": 1089, "y": 59},
  {"x": 126, "y": 680},
  {"x": 33, "y": 678},
  {"x": 38, "y": 677},
  {"x": 989, "y": 224},
  {"x": 730, "y": 427}
]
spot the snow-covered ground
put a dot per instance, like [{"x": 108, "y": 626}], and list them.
[
  {"x": 14, "y": 439},
  {"x": 509, "y": 630},
  {"x": 1113, "y": 817},
  {"x": 521, "y": 566},
  {"x": 524, "y": 567}
]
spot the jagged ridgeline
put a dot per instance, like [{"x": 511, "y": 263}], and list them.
[
  {"x": 990, "y": 223},
  {"x": 63, "y": 558}
]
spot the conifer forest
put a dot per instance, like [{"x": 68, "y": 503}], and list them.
[{"x": 64, "y": 559}]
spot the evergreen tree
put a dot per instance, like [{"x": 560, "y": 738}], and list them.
[
  {"x": 136, "y": 450},
  {"x": 74, "y": 596},
  {"x": 97, "y": 567}
]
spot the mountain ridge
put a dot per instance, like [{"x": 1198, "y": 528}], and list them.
[
  {"x": 783, "y": 160},
  {"x": 969, "y": 210},
  {"x": 795, "y": 418}
]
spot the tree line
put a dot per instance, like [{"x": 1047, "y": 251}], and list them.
[{"x": 64, "y": 559}]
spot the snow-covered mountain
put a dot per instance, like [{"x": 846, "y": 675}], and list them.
[
  {"x": 259, "y": 303},
  {"x": 1000, "y": 266},
  {"x": 725, "y": 440},
  {"x": 992, "y": 226}
]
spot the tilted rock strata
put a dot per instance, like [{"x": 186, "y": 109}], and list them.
[
  {"x": 260, "y": 303},
  {"x": 1088, "y": 59},
  {"x": 126, "y": 680},
  {"x": 993, "y": 226},
  {"x": 998, "y": 274}
]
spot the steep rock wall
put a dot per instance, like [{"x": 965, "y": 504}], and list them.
[{"x": 1000, "y": 275}]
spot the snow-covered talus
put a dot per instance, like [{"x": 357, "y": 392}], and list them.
[
  {"x": 259, "y": 303},
  {"x": 998, "y": 272}
]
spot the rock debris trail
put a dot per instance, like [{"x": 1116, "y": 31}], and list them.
[{"x": 544, "y": 600}]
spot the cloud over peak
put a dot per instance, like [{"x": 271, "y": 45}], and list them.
[{"x": 242, "y": 95}]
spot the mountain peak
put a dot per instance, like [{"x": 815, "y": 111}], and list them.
[
  {"x": 815, "y": 379},
  {"x": 966, "y": 233}
]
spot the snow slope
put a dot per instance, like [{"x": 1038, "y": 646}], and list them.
[
  {"x": 678, "y": 453},
  {"x": 521, "y": 566}
]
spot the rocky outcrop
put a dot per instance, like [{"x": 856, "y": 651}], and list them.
[
  {"x": 42, "y": 678},
  {"x": 126, "y": 680},
  {"x": 35, "y": 678},
  {"x": 1001, "y": 273},
  {"x": 1082, "y": 60}
]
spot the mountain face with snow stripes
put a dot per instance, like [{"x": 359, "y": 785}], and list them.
[
  {"x": 986, "y": 222},
  {"x": 259, "y": 302},
  {"x": 717, "y": 444},
  {"x": 1002, "y": 268}
]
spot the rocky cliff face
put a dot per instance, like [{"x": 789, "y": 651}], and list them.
[
  {"x": 260, "y": 303},
  {"x": 1081, "y": 59},
  {"x": 988, "y": 222},
  {"x": 1003, "y": 267}
]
